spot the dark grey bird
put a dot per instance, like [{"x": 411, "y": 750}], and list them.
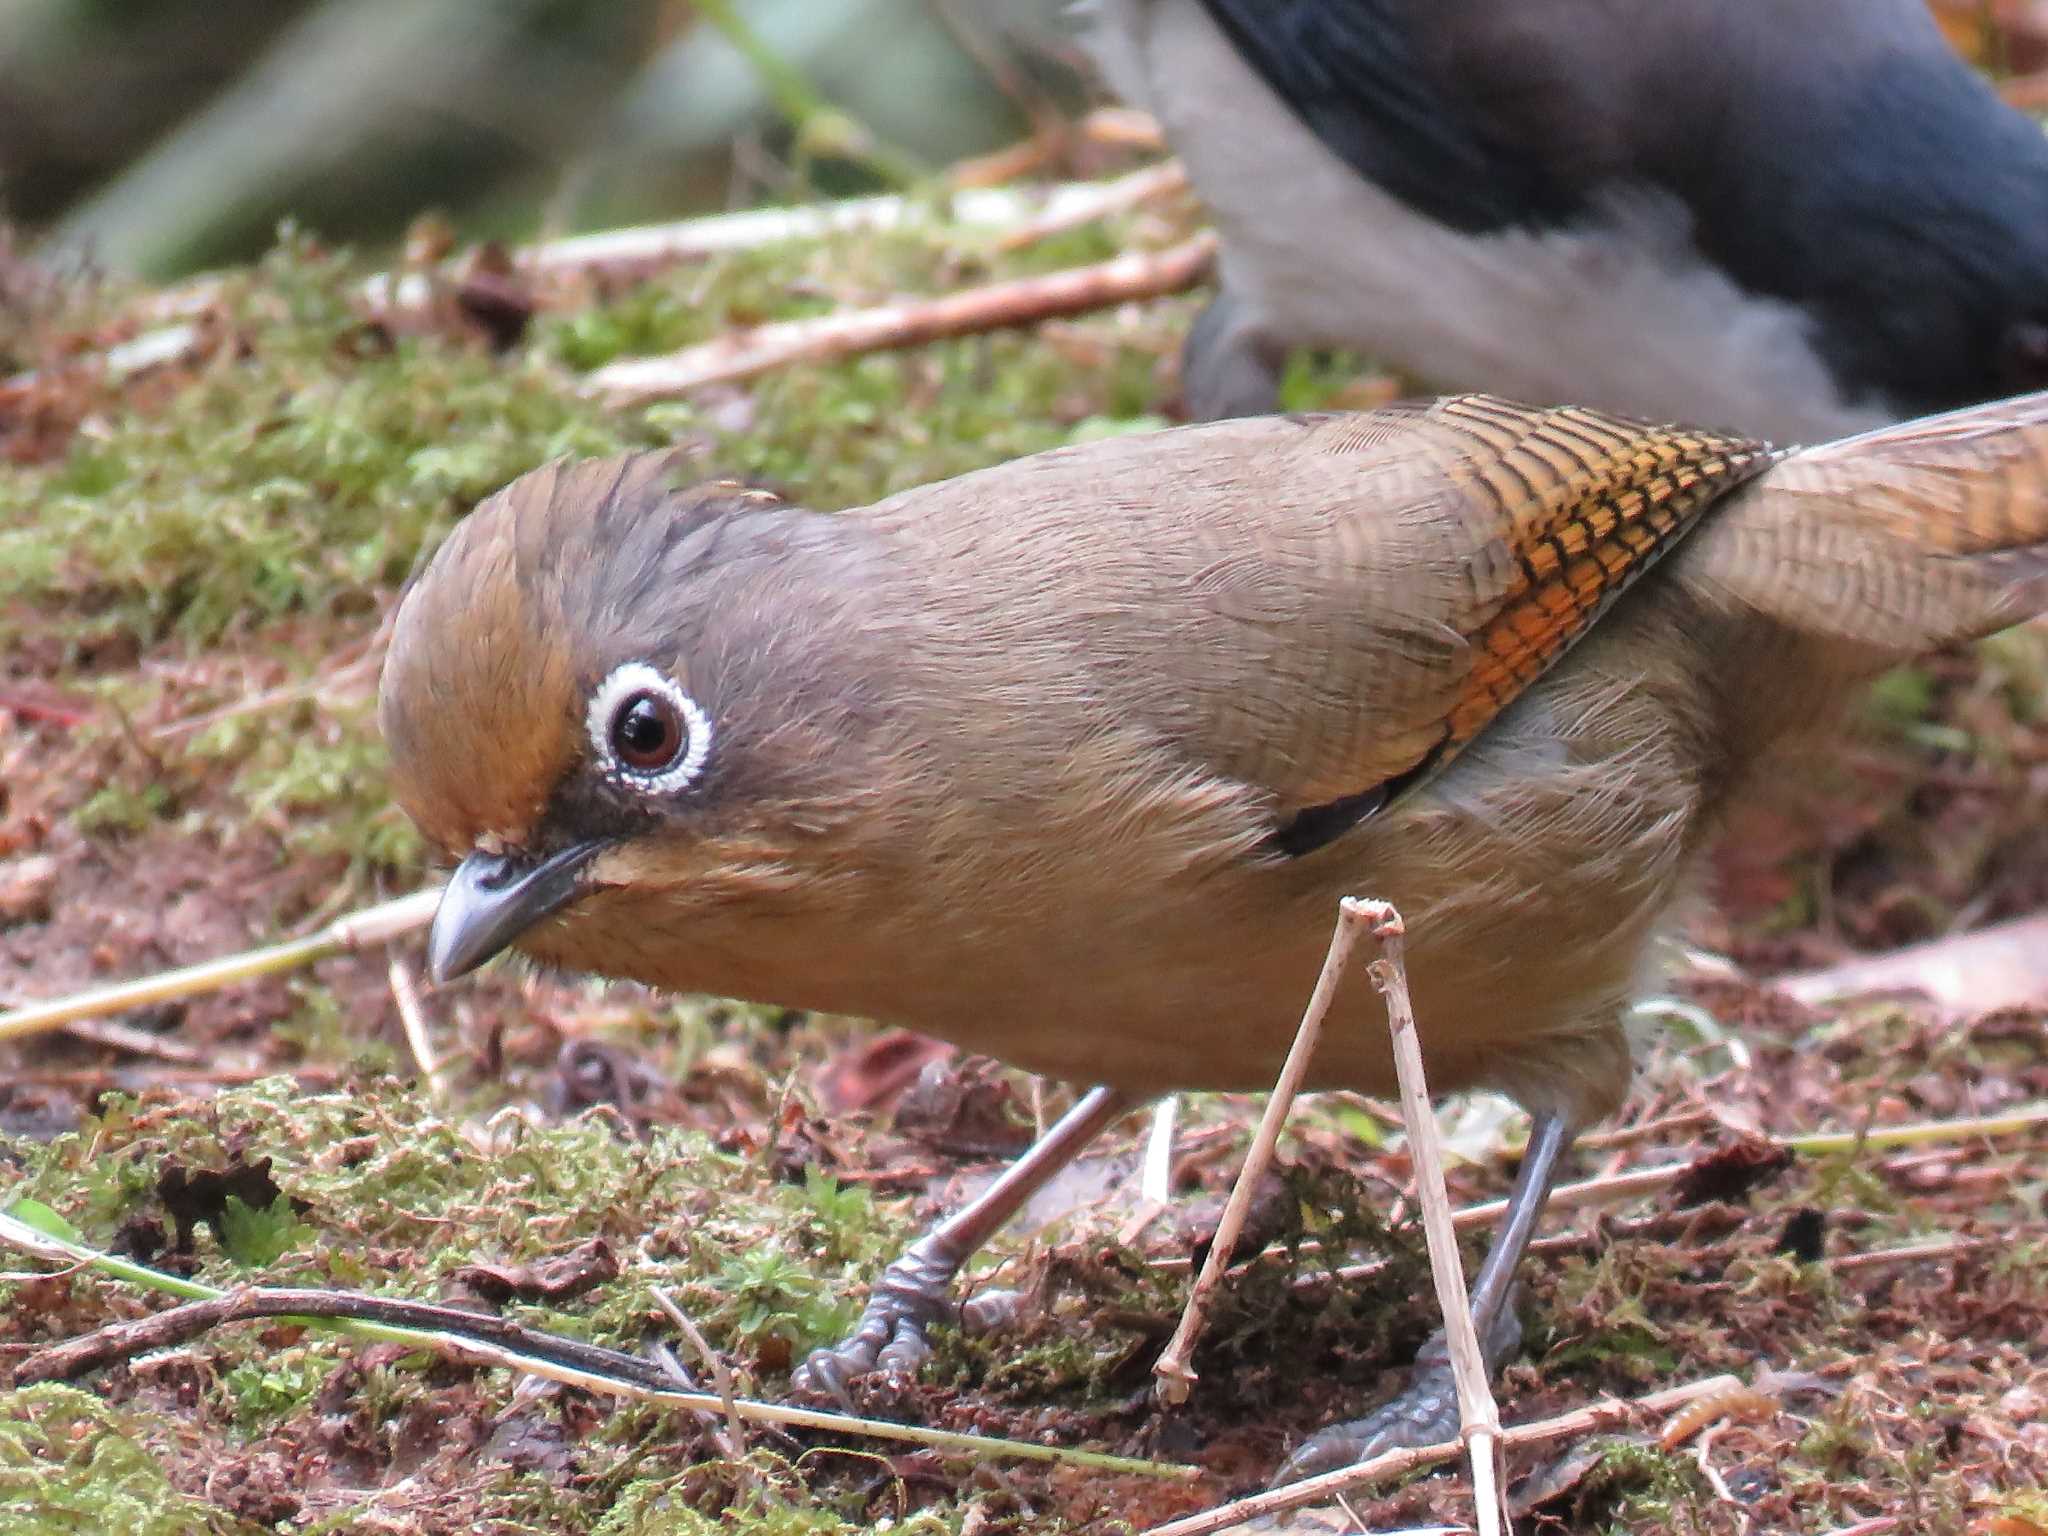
[{"x": 1796, "y": 220}]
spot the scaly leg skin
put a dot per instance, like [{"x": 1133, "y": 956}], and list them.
[
  {"x": 1228, "y": 367},
  {"x": 1426, "y": 1410},
  {"x": 913, "y": 1292}
]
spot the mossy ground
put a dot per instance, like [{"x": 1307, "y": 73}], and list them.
[{"x": 195, "y": 565}]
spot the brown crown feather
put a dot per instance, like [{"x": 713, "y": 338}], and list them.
[{"x": 483, "y": 695}]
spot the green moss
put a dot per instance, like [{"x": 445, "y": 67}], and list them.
[
  {"x": 679, "y": 1506},
  {"x": 1316, "y": 381},
  {"x": 1837, "y": 1443},
  {"x": 274, "y": 503},
  {"x": 117, "y": 808},
  {"x": 762, "y": 1265},
  {"x": 1638, "y": 1486},
  {"x": 270, "y": 1388},
  {"x": 70, "y": 1463},
  {"x": 305, "y": 470},
  {"x": 308, "y": 779}
]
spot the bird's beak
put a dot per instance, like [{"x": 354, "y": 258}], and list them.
[{"x": 493, "y": 899}]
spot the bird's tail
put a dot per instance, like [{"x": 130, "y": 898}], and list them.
[{"x": 1885, "y": 545}]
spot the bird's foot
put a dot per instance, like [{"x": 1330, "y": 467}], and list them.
[
  {"x": 1424, "y": 1412},
  {"x": 911, "y": 1295}
]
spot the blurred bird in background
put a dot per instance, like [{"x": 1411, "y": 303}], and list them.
[
  {"x": 1794, "y": 220},
  {"x": 1070, "y": 760}
]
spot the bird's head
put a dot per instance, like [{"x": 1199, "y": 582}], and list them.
[{"x": 603, "y": 697}]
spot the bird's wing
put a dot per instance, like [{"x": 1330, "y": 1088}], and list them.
[
  {"x": 1321, "y": 608},
  {"x": 1483, "y": 114},
  {"x": 1408, "y": 576}
]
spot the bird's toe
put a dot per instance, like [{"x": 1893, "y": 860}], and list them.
[
  {"x": 1425, "y": 1412},
  {"x": 892, "y": 1333}
]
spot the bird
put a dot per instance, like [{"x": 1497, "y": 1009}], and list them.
[
  {"x": 1071, "y": 759},
  {"x": 1794, "y": 221}
]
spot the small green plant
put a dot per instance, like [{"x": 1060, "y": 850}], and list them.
[
  {"x": 770, "y": 1295},
  {"x": 256, "y": 1239}
]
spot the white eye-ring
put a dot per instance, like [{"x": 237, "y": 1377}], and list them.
[{"x": 647, "y": 733}]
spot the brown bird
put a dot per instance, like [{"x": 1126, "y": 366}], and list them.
[{"x": 1070, "y": 760}]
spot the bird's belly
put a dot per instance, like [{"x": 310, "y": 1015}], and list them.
[{"x": 1154, "y": 1005}]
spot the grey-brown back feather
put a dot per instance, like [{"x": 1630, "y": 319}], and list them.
[{"x": 1893, "y": 542}]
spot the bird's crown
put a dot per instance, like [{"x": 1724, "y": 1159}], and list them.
[{"x": 544, "y": 638}]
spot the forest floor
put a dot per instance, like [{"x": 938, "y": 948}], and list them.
[{"x": 198, "y": 554}]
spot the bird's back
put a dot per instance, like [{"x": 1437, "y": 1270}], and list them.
[{"x": 1312, "y": 605}]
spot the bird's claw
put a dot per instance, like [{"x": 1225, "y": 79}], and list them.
[
  {"x": 891, "y": 1334},
  {"x": 1424, "y": 1412}
]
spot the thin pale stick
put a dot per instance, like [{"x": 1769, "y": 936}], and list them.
[
  {"x": 969, "y": 311},
  {"x": 1115, "y": 197},
  {"x": 1612, "y": 1188},
  {"x": 1621, "y": 1136},
  {"x": 413, "y": 1019},
  {"x": 1477, "y": 1412},
  {"x": 1172, "y": 1375},
  {"x": 1399, "y": 1463},
  {"x": 1910, "y": 1253},
  {"x": 1155, "y": 1173},
  {"x": 2024, "y": 1117},
  {"x": 139, "y": 1042},
  {"x": 359, "y": 930},
  {"x": 734, "y": 1439}
]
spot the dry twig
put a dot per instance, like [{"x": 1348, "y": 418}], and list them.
[
  {"x": 995, "y": 306},
  {"x": 632, "y": 255},
  {"x": 1477, "y": 1413},
  {"x": 1953, "y": 1246},
  {"x": 1172, "y": 1374},
  {"x": 733, "y": 1438},
  {"x": 359, "y": 930},
  {"x": 1311, "y": 1490},
  {"x": 1113, "y": 197},
  {"x": 413, "y": 1019}
]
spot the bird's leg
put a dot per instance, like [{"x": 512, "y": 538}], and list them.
[
  {"x": 1425, "y": 1411},
  {"x": 913, "y": 1292},
  {"x": 1228, "y": 367}
]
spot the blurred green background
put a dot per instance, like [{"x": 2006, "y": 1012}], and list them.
[{"x": 160, "y": 136}]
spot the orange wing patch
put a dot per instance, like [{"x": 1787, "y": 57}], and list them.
[
  {"x": 1570, "y": 506},
  {"x": 1586, "y": 503}
]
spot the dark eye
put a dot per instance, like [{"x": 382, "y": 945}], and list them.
[
  {"x": 645, "y": 733},
  {"x": 648, "y": 732}
]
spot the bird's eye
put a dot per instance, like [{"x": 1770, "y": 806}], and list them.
[{"x": 646, "y": 732}]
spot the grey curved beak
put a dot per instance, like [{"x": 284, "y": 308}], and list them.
[{"x": 492, "y": 899}]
